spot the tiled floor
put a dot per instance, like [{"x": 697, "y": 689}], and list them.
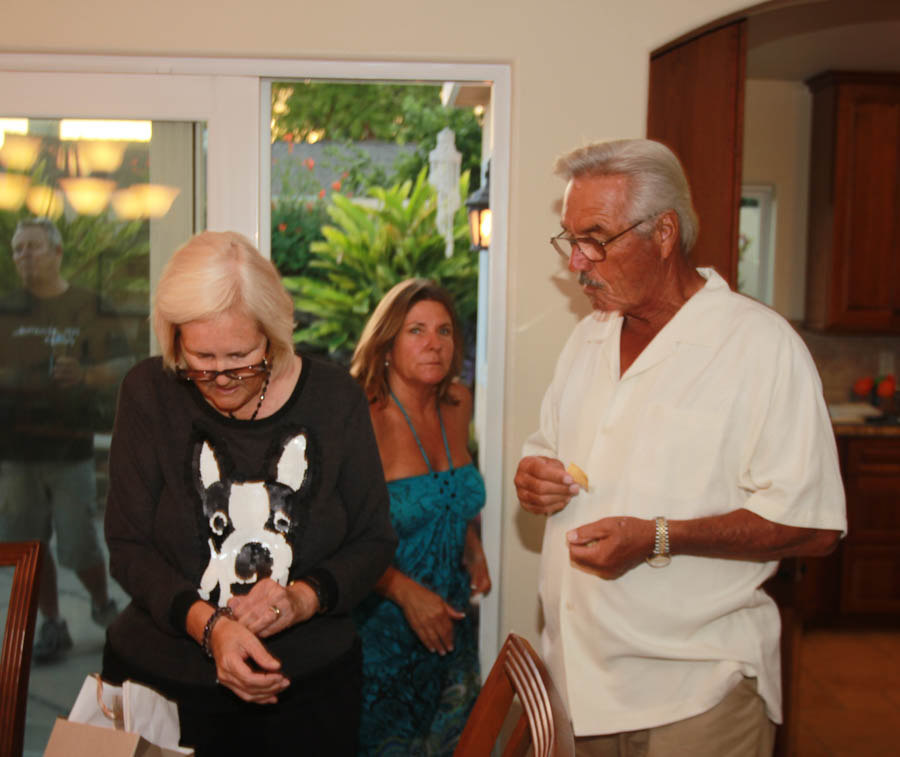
[{"x": 849, "y": 693}]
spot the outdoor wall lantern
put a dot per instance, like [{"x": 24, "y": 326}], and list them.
[{"x": 478, "y": 205}]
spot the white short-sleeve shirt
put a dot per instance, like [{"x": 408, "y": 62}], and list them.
[{"x": 722, "y": 410}]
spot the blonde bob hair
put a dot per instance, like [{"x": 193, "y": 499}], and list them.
[
  {"x": 216, "y": 272},
  {"x": 368, "y": 365}
]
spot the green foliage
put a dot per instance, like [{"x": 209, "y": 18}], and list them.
[
  {"x": 296, "y": 223},
  {"x": 401, "y": 113},
  {"x": 369, "y": 248},
  {"x": 107, "y": 256},
  {"x": 344, "y": 111},
  {"x": 356, "y": 168},
  {"x": 423, "y": 122}
]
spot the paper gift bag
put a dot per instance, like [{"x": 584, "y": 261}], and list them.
[
  {"x": 70, "y": 739},
  {"x": 119, "y": 722}
]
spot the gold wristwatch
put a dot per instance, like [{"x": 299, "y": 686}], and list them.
[{"x": 660, "y": 556}]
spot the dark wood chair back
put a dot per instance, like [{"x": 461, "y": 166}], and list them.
[
  {"x": 15, "y": 661},
  {"x": 544, "y": 724}
]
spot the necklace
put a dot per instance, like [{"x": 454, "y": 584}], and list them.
[{"x": 262, "y": 396}]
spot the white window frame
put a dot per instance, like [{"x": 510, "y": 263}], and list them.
[{"x": 231, "y": 96}]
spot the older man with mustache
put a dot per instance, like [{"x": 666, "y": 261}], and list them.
[{"x": 698, "y": 417}]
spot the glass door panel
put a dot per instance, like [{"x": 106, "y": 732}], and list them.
[{"x": 89, "y": 212}]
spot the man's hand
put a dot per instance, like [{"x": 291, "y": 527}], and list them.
[
  {"x": 610, "y": 547},
  {"x": 543, "y": 486}
]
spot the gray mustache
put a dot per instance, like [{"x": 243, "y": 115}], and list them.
[{"x": 585, "y": 281}]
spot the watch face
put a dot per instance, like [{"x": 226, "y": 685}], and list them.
[{"x": 659, "y": 561}]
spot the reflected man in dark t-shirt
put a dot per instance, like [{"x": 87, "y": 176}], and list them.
[{"x": 63, "y": 360}]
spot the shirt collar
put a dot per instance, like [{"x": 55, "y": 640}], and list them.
[{"x": 692, "y": 324}]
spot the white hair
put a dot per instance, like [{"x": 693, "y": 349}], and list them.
[{"x": 655, "y": 177}]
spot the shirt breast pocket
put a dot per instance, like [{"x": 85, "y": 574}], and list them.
[{"x": 679, "y": 453}]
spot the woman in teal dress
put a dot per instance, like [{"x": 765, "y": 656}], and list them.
[{"x": 420, "y": 651}]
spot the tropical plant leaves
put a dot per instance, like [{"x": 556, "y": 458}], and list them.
[{"x": 366, "y": 249}]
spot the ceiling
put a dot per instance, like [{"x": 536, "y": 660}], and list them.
[{"x": 797, "y": 40}]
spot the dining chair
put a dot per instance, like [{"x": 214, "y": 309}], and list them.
[
  {"x": 544, "y": 723},
  {"x": 15, "y": 660}
]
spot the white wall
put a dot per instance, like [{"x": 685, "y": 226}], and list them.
[
  {"x": 579, "y": 71},
  {"x": 777, "y": 118}
]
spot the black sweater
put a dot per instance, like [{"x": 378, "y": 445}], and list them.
[{"x": 165, "y": 517}]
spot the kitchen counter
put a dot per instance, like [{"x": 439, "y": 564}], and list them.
[{"x": 866, "y": 429}]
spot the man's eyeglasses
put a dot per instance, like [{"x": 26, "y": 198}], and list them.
[
  {"x": 237, "y": 374},
  {"x": 593, "y": 249}
]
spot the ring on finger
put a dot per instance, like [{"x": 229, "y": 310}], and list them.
[{"x": 276, "y": 610}]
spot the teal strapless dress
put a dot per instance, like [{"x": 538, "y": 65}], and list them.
[{"x": 415, "y": 702}]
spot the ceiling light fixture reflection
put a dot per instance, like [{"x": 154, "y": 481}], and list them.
[
  {"x": 144, "y": 201},
  {"x": 12, "y": 126},
  {"x": 45, "y": 202},
  {"x": 20, "y": 151},
  {"x": 88, "y": 195},
  {"x": 100, "y": 156},
  {"x": 130, "y": 131},
  {"x": 13, "y": 188}
]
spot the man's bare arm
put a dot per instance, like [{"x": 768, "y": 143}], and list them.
[{"x": 612, "y": 546}]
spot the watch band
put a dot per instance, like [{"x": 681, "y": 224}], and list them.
[
  {"x": 660, "y": 557},
  {"x": 316, "y": 586}
]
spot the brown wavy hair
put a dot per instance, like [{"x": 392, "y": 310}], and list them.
[{"x": 368, "y": 365}]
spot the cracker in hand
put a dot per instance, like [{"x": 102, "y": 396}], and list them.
[{"x": 579, "y": 475}]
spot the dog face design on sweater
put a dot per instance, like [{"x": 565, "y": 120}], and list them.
[{"x": 249, "y": 521}]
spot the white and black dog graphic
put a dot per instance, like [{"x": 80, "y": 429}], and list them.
[{"x": 250, "y": 521}]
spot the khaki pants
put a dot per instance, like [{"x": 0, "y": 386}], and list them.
[{"x": 736, "y": 727}]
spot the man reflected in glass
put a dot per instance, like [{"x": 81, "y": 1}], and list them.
[{"x": 62, "y": 363}]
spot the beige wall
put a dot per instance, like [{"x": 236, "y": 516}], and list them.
[
  {"x": 776, "y": 151},
  {"x": 579, "y": 72}
]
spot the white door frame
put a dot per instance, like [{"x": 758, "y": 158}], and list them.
[{"x": 231, "y": 96}]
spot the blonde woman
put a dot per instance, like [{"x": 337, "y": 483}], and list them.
[{"x": 247, "y": 515}]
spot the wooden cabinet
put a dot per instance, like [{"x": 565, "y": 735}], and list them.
[
  {"x": 870, "y": 568},
  {"x": 853, "y": 264},
  {"x": 862, "y": 578}
]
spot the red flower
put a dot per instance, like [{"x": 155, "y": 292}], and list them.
[
  {"x": 336, "y": 186},
  {"x": 887, "y": 386},
  {"x": 322, "y": 192},
  {"x": 288, "y": 137},
  {"x": 345, "y": 174},
  {"x": 862, "y": 386},
  {"x": 282, "y": 227},
  {"x": 310, "y": 164}
]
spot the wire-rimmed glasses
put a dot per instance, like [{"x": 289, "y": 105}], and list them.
[
  {"x": 236, "y": 374},
  {"x": 590, "y": 247}
]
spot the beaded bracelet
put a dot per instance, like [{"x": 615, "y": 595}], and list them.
[{"x": 207, "y": 629}]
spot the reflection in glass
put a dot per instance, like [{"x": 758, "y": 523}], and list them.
[
  {"x": 75, "y": 279},
  {"x": 756, "y": 242},
  {"x": 6, "y": 578}
]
